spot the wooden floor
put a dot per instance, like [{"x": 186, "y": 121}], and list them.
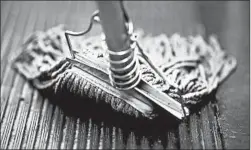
[{"x": 29, "y": 120}]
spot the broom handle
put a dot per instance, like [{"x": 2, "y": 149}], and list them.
[{"x": 113, "y": 24}]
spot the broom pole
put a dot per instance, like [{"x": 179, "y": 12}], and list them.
[{"x": 113, "y": 24}]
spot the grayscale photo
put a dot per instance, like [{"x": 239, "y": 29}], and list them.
[{"x": 125, "y": 75}]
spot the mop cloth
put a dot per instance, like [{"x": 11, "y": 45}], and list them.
[{"x": 193, "y": 67}]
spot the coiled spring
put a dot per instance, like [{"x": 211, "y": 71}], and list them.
[{"x": 124, "y": 73}]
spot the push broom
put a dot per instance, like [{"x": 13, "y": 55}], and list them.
[{"x": 116, "y": 67}]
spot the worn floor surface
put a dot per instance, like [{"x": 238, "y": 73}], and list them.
[{"x": 29, "y": 120}]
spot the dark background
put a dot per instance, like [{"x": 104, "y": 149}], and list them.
[{"x": 227, "y": 19}]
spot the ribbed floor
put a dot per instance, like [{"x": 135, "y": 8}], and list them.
[{"x": 29, "y": 120}]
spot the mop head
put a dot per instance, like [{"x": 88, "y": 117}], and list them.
[{"x": 192, "y": 66}]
